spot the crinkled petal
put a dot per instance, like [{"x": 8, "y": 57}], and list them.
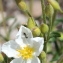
[
  {"x": 33, "y": 60},
  {"x": 24, "y": 33},
  {"x": 23, "y": 42},
  {"x": 9, "y": 48},
  {"x": 14, "y": 45},
  {"x": 38, "y": 44},
  {"x": 20, "y": 42}
]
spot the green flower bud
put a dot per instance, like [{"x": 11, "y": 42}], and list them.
[
  {"x": 43, "y": 55},
  {"x": 1, "y": 58},
  {"x": 31, "y": 23},
  {"x": 55, "y": 5},
  {"x": 49, "y": 10},
  {"x": 36, "y": 31},
  {"x": 21, "y": 4},
  {"x": 44, "y": 28}
]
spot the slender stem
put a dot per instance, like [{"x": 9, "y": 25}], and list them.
[
  {"x": 43, "y": 10},
  {"x": 29, "y": 15},
  {"x": 50, "y": 27},
  {"x": 57, "y": 47},
  {"x": 45, "y": 47},
  {"x": 51, "y": 23},
  {"x": 7, "y": 60},
  {"x": 44, "y": 20},
  {"x": 47, "y": 37},
  {"x": 1, "y": 8},
  {"x": 54, "y": 17},
  {"x": 31, "y": 5}
]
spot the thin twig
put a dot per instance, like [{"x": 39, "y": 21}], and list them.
[
  {"x": 43, "y": 11},
  {"x": 1, "y": 8}
]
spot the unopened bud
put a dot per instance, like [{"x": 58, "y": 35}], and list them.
[
  {"x": 55, "y": 5},
  {"x": 43, "y": 55},
  {"x": 1, "y": 58},
  {"x": 21, "y": 4},
  {"x": 31, "y": 23},
  {"x": 44, "y": 28},
  {"x": 36, "y": 31},
  {"x": 49, "y": 10}
]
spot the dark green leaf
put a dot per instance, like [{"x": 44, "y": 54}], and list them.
[
  {"x": 52, "y": 39},
  {"x": 55, "y": 34},
  {"x": 60, "y": 20}
]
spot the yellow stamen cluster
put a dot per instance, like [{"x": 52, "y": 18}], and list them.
[{"x": 26, "y": 52}]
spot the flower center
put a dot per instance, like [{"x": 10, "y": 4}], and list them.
[{"x": 26, "y": 52}]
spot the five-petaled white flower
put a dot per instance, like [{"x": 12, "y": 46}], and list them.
[{"x": 25, "y": 48}]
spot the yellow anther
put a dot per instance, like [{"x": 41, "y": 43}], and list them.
[{"x": 26, "y": 52}]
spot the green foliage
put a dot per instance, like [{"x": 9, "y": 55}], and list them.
[{"x": 55, "y": 34}]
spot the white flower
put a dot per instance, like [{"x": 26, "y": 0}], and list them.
[
  {"x": 24, "y": 33},
  {"x": 24, "y": 48}
]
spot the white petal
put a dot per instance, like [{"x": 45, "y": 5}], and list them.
[
  {"x": 9, "y": 49},
  {"x": 24, "y": 33},
  {"x": 14, "y": 45},
  {"x": 19, "y": 42},
  {"x": 23, "y": 42},
  {"x": 17, "y": 60},
  {"x": 33, "y": 60},
  {"x": 20, "y": 60},
  {"x": 28, "y": 42},
  {"x": 38, "y": 44}
]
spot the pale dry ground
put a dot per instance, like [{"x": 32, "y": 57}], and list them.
[{"x": 11, "y": 9}]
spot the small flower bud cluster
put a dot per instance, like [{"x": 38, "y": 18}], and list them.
[
  {"x": 55, "y": 5},
  {"x": 32, "y": 25},
  {"x": 36, "y": 30}
]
